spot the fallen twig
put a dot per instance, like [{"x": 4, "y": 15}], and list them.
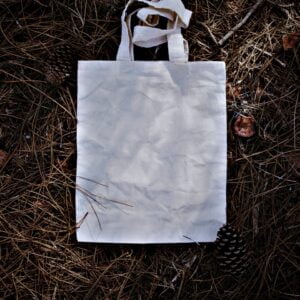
[{"x": 239, "y": 25}]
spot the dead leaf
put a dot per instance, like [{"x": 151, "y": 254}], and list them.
[
  {"x": 233, "y": 91},
  {"x": 244, "y": 126},
  {"x": 3, "y": 158},
  {"x": 290, "y": 41}
]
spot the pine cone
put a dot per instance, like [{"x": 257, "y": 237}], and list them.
[
  {"x": 60, "y": 65},
  {"x": 232, "y": 254}
]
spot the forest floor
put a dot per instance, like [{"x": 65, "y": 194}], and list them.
[{"x": 39, "y": 255}]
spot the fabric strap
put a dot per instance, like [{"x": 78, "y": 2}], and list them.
[{"x": 148, "y": 36}]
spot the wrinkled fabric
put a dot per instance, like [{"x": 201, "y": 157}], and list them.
[{"x": 151, "y": 144}]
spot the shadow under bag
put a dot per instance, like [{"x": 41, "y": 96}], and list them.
[{"x": 151, "y": 139}]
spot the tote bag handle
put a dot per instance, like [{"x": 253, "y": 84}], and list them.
[{"x": 148, "y": 36}]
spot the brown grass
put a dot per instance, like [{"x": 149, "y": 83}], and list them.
[{"x": 39, "y": 256}]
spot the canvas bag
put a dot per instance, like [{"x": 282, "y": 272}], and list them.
[{"x": 151, "y": 139}]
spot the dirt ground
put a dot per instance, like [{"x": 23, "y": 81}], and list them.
[{"x": 39, "y": 255}]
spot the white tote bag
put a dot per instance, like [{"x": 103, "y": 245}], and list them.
[{"x": 151, "y": 139}]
